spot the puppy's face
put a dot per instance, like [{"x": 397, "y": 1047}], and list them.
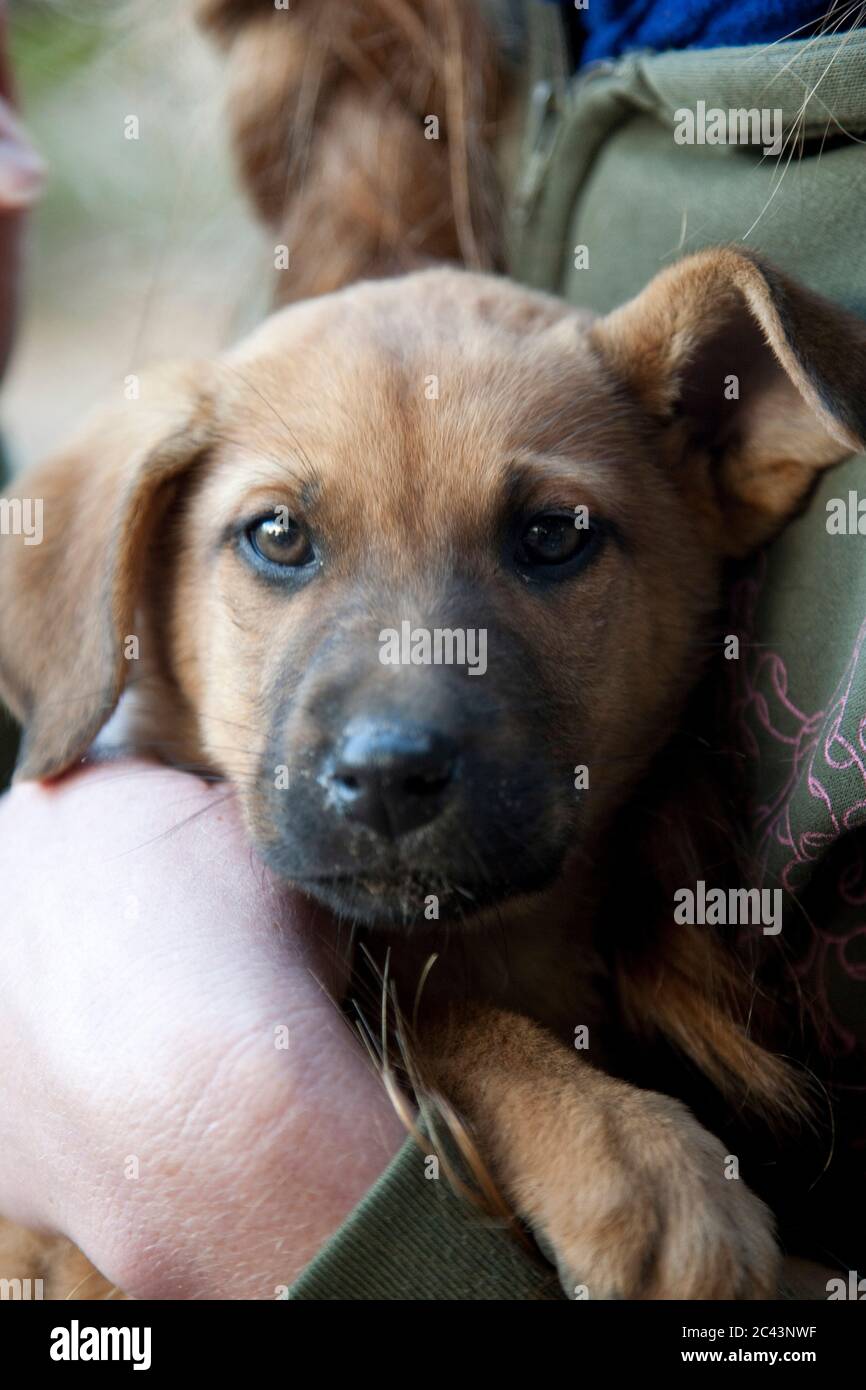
[
  {"x": 435, "y": 560},
  {"x": 435, "y": 455}
]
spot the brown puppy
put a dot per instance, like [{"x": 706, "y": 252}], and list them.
[{"x": 426, "y": 451}]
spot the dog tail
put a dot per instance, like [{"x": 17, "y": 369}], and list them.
[{"x": 363, "y": 132}]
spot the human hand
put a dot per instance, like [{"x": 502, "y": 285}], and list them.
[{"x": 151, "y": 970}]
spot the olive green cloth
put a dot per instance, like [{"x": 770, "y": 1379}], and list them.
[
  {"x": 410, "y": 1238},
  {"x": 601, "y": 169}
]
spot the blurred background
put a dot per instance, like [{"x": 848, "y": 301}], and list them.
[{"x": 140, "y": 250}]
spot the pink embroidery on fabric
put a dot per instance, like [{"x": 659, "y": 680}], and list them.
[{"x": 827, "y": 749}]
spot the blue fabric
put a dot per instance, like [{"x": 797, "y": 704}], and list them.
[{"x": 612, "y": 27}]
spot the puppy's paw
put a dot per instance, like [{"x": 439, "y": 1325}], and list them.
[{"x": 637, "y": 1205}]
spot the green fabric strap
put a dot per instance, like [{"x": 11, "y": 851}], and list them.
[{"x": 411, "y": 1238}]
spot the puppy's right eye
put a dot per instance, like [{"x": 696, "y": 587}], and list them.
[{"x": 280, "y": 540}]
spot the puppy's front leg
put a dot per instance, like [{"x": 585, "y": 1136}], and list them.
[{"x": 624, "y": 1186}]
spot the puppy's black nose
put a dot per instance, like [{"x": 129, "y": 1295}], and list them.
[{"x": 390, "y": 775}]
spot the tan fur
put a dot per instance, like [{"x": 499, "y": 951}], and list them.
[
  {"x": 623, "y": 1186},
  {"x": 62, "y": 1269},
  {"x": 323, "y": 410},
  {"x": 789, "y": 424}
]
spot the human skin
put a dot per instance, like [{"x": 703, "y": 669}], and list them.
[{"x": 150, "y": 974}]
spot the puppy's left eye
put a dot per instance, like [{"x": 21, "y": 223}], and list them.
[
  {"x": 552, "y": 539},
  {"x": 280, "y": 541}
]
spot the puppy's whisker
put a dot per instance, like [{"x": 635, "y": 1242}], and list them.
[
  {"x": 285, "y": 424},
  {"x": 280, "y": 461},
  {"x": 833, "y": 13},
  {"x": 173, "y": 829}
]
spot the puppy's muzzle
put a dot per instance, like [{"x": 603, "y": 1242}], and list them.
[
  {"x": 412, "y": 783},
  {"x": 391, "y": 775}
]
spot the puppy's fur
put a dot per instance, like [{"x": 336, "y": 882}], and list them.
[{"x": 413, "y": 505}]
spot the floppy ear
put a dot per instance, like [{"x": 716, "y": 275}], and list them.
[
  {"x": 761, "y": 383},
  {"x": 68, "y": 597}
]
